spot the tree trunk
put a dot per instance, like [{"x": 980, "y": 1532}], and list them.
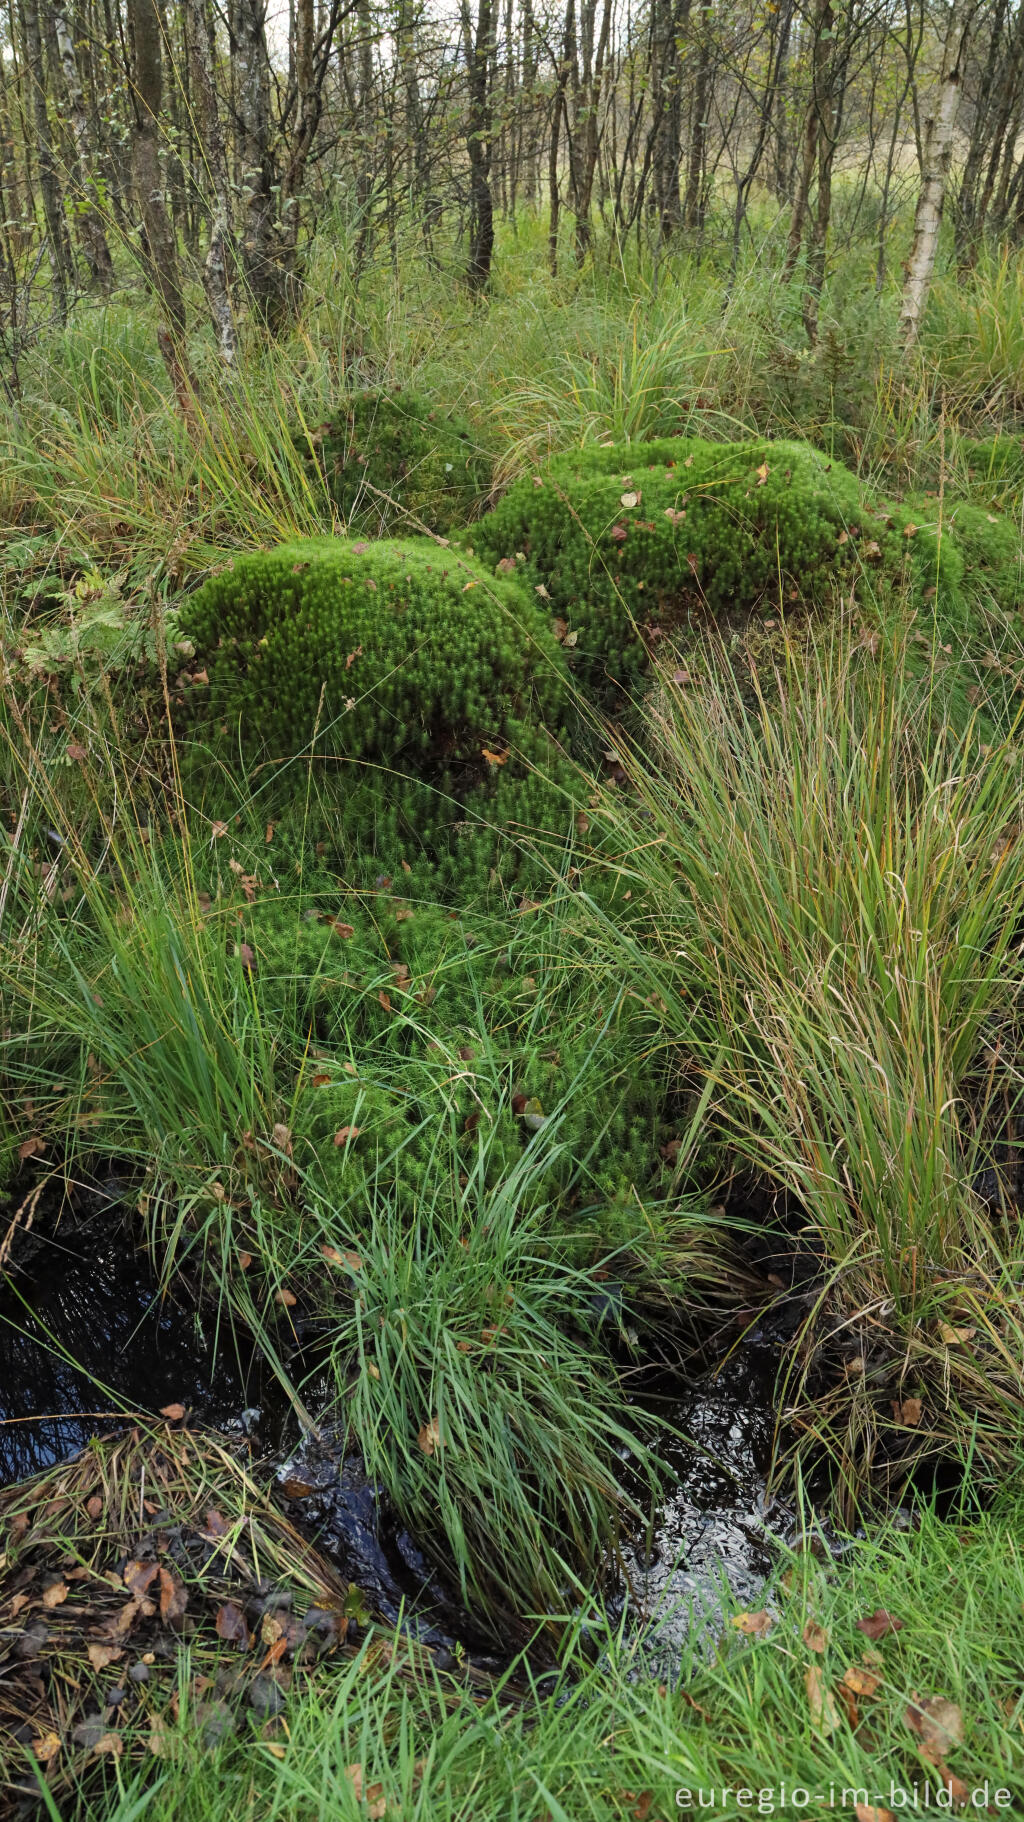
[
  {"x": 937, "y": 154},
  {"x": 215, "y": 266},
  {"x": 90, "y": 220},
  {"x": 477, "y": 48},
  {"x": 61, "y": 261},
  {"x": 160, "y": 249}
]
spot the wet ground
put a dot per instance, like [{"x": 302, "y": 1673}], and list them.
[{"x": 86, "y": 1335}]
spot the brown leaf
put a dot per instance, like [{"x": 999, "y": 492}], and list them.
[
  {"x": 824, "y": 1713},
  {"x": 102, "y": 1655},
  {"x": 869, "y": 1812},
  {"x": 494, "y": 759},
  {"x": 111, "y": 1743},
  {"x": 752, "y": 1624},
  {"x": 30, "y": 1148},
  {"x": 908, "y": 1412},
  {"x": 341, "y": 929},
  {"x": 218, "y": 830},
  {"x": 55, "y": 1595},
  {"x": 879, "y": 1624},
  {"x": 173, "y": 1596},
  {"x": 953, "y": 1337},
  {"x": 173, "y": 1412},
  {"x": 230, "y": 1625},
  {"x": 815, "y": 1637},
  {"x": 429, "y": 1437},
  {"x": 244, "y": 1260},
  {"x": 938, "y": 1723},
  {"x": 619, "y": 534},
  {"x": 215, "y": 1525},
  {"x": 47, "y": 1748},
  {"x": 281, "y": 1136},
  {"x": 861, "y": 1682},
  {"x": 94, "y": 1506},
  {"x": 345, "y": 1133},
  {"x": 286, "y": 1297}
]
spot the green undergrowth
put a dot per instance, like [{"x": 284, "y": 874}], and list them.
[
  {"x": 893, "y": 1672},
  {"x": 396, "y": 460}
]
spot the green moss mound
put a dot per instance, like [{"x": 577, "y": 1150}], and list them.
[
  {"x": 388, "y": 455},
  {"x": 444, "y": 686},
  {"x": 386, "y": 651},
  {"x": 628, "y": 544}
]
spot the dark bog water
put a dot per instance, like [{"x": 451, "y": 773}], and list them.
[{"x": 85, "y": 1335}]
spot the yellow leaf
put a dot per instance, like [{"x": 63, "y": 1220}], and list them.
[
  {"x": 47, "y": 1748},
  {"x": 762, "y": 474}
]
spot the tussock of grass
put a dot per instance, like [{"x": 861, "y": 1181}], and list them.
[{"x": 834, "y": 880}]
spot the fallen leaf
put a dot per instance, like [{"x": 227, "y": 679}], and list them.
[
  {"x": 345, "y": 1133},
  {"x": 815, "y": 1637},
  {"x": 175, "y": 1412},
  {"x": 862, "y": 1682},
  {"x": 218, "y": 830},
  {"x": 938, "y": 1723},
  {"x": 494, "y": 759},
  {"x": 111, "y": 1743},
  {"x": 286, "y": 1297},
  {"x": 94, "y": 1506},
  {"x": 908, "y": 1412},
  {"x": 47, "y": 1748},
  {"x": 752, "y": 1624},
  {"x": 55, "y": 1595},
  {"x": 30, "y": 1148},
  {"x": 215, "y": 1524},
  {"x": 230, "y": 1625},
  {"x": 160, "y": 1736},
  {"x": 429, "y": 1437},
  {"x": 952, "y": 1337},
  {"x": 341, "y": 929},
  {"x": 173, "y": 1596},
  {"x": 244, "y": 1261},
  {"x": 762, "y": 474},
  {"x": 275, "y": 1747},
  {"x": 869, "y": 1812},
  {"x": 619, "y": 534},
  {"x": 102, "y": 1655},
  {"x": 824, "y": 1713},
  {"x": 281, "y": 1136},
  {"x": 629, "y": 500},
  {"x": 879, "y": 1624}
]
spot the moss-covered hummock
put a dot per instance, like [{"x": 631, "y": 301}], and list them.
[
  {"x": 388, "y": 455},
  {"x": 396, "y": 652},
  {"x": 446, "y": 684},
  {"x": 626, "y": 541}
]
